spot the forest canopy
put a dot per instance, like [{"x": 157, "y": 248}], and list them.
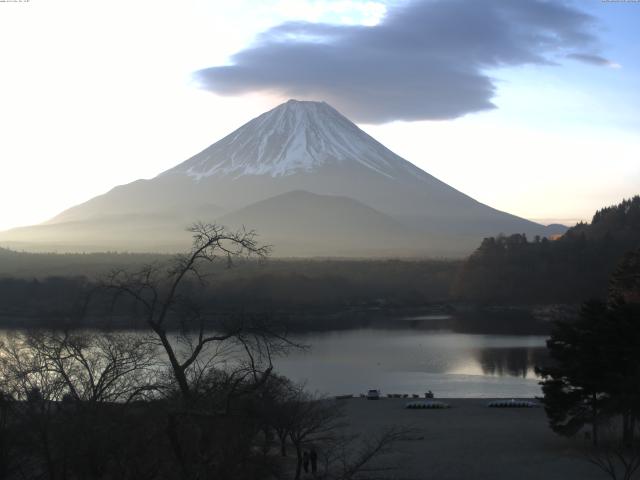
[{"x": 567, "y": 270}]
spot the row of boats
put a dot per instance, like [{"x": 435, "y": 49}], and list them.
[
  {"x": 429, "y": 402},
  {"x": 375, "y": 394}
]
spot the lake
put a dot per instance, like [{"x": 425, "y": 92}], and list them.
[
  {"x": 416, "y": 360},
  {"x": 411, "y": 355}
]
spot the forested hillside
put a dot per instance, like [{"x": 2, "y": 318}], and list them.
[
  {"x": 514, "y": 269},
  {"x": 52, "y": 288}
]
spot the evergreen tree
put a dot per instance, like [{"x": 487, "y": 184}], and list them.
[
  {"x": 625, "y": 281},
  {"x": 574, "y": 385},
  {"x": 595, "y": 372},
  {"x": 567, "y": 270}
]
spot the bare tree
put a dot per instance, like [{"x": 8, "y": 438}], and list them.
[
  {"x": 274, "y": 409},
  {"x": 352, "y": 457},
  {"x": 311, "y": 420},
  {"x": 305, "y": 421},
  {"x": 65, "y": 385},
  {"x": 318, "y": 423},
  {"x": 97, "y": 367},
  {"x": 619, "y": 460},
  {"x": 219, "y": 365},
  {"x": 166, "y": 304},
  {"x": 76, "y": 389}
]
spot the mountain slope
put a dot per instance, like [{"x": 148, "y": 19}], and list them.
[
  {"x": 300, "y": 223},
  {"x": 297, "y": 146},
  {"x": 293, "y": 138}
]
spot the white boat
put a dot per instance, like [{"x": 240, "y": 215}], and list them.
[{"x": 373, "y": 394}]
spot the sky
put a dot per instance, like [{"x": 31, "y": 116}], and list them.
[{"x": 529, "y": 106}]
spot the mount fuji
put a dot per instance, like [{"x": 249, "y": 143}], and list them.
[{"x": 306, "y": 178}]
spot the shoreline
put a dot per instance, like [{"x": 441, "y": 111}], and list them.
[{"x": 471, "y": 440}]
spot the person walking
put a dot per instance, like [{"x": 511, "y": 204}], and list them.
[
  {"x": 305, "y": 461},
  {"x": 313, "y": 456}
]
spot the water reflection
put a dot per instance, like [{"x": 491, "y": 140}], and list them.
[
  {"x": 413, "y": 361},
  {"x": 416, "y": 360},
  {"x": 515, "y": 362}
]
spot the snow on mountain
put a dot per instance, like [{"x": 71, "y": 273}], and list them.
[{"x": 297, "y": 136}]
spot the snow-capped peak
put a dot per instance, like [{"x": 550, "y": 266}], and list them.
[{"x": 296, "y": 136}]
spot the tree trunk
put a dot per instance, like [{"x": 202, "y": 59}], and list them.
[
  {"x": 268, "y": 437},
  {"x": 46, "y": 446},
  {"x": 299, "y": 463},
  {"x": 174, "y": 441},
  {"x": 627, "y": 429},
  {"x": 283, "y": 446},
  {"x": 632, "y": 429},
  {"x": 594, "y": 423},
  {"x": 178, "y": 371}
]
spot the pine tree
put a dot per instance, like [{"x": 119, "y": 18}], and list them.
[
  {"x": 574, "y": 385},
  {"x": 595, "y": 374}
]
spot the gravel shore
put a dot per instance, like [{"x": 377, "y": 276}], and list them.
[{"x": 471, "y": 441}]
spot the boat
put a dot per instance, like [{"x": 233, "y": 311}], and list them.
[
  {"x": 430, "y": 404},
  {"x": 373, "y": 394},
  {"x": 512, "y": 404}
]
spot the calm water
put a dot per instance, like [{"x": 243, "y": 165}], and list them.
[{"x": 414, "y": 361}]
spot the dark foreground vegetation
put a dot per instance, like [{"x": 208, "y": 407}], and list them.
[
  {"x": 180, "y": 403},
  {"x": 105, "y": 406},
  {"x": 594, "y": 378}
]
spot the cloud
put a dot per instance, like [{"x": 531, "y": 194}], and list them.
[
  {"x": 425, "y": 60},
  {"x": 593, "y": 60}
]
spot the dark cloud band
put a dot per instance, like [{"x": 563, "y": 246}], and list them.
[
  {"x": 425, "y": 60},
  {"x": 592, "y": 59}
]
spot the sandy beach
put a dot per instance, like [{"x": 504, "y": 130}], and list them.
[{"x": 472, "y": 441}]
